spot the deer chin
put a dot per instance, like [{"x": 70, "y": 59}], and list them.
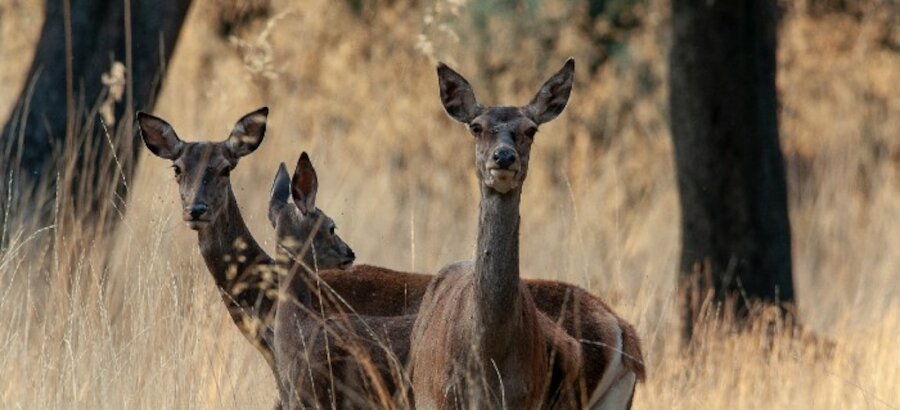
[
  {"x": 502, "y": 180},
  {"x": 196, "y": 224}
]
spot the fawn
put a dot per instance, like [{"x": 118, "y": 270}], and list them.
[{"x": 328, "y": 357}]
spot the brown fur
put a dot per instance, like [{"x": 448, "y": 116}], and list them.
[
  {"x": 442, "y": 343},
  {"x": 376, "y": 291},
  {"x": 343, "y": 360},
  {"x": 586, "y": 317}
]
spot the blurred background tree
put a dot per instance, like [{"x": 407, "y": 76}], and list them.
[
  {"x": 95, "y": 61},
  {"x": 735, "y": 231}
]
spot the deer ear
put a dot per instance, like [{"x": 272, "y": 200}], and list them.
[
  {"x": 248, "y": 133},
  {"x": 304, "y": 185},
  {"x": 159, "y": 136},
  {"x": 553, "y": 96},
  {"x": 280, "y": 195},
  {"x": 457, "y": 95}
]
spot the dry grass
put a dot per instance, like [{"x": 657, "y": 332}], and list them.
[{"x": 600, "y": 207}]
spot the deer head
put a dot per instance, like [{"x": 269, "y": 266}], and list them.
[
  {"x": 202, "y": 169},
  {"x": 301, "y": 227},
  {"x": 503, "y": 134}
]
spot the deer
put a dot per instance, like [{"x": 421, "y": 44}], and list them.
[
  {"x": 336, "y": 357},
  {"x": 483, "y": 337},
  {"x": 241, "y": 270}
]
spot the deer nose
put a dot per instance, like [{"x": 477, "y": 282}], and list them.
[
  {"x": 197, "y": 210},
  {"x": 351, "y": 255},
  {"x": 504, "y": 157}
]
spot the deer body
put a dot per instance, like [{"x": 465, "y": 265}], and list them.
[
  {"x": 497, "y": 351},
  {"x": 337, "y": 360}
]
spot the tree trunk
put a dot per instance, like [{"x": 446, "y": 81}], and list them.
[
  {"x": 736, "y": 244},
  {"x": 54, "y": 141}
]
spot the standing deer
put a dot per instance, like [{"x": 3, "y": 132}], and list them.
[
  {"x": 241, "y": 269},
  {"x": 480, "y": 339},
  {"x": 327, "y": 358}
]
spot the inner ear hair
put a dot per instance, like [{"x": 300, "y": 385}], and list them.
[
  {"x": 551, "y": 99},
  {"x": 248, "y": 132},
  {"x": 159, "y": 136},
  {"x": 457, "y": 96}
]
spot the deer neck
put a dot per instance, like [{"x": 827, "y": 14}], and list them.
[
  {"x": 295, "y": 285},
  {"x": 234, "y": 259},
  {"x": 497, "y": 302},
  {"x": 229, "y": 249}
]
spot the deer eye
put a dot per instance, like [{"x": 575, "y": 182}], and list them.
[
  {"x": 475, "y": 128},
  {"x": 331, "y": 230},
  {"x": 530, "y": 132}
]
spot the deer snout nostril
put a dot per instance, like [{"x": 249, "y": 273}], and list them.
[
  {"x": 197, "y": 210},
  {"x": 351, "y": 255},
  {"x": 504, "y": 157}
]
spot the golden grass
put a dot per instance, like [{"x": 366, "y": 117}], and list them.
[{"x": 600, "y": 208}]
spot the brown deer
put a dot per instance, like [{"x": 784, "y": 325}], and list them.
[
  {"x": 480, "y": 339},
  {"x": 241, "y": 269},
  {"x": 328, "y": 357}
]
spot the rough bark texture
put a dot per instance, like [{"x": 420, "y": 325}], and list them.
[
  {"x": 735, "y": 228},
  {"x": 54, "y": 128}
]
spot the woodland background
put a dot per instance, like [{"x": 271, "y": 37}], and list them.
[{"x": 131, "y": 318}]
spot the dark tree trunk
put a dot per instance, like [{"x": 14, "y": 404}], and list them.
[
  {"x": 736, "y": 239},
  {"x": 54, "y": 132}
]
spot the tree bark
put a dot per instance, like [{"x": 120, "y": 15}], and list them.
[
  {"x": 736, "y": 243},
  {"x": 54, "y": 134}
]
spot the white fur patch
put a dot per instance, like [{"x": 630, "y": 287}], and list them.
[
  {"x": 612, "y": 371},
  {"x": 238, "y": 129},
  {"x": 619, "y": 394}
]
